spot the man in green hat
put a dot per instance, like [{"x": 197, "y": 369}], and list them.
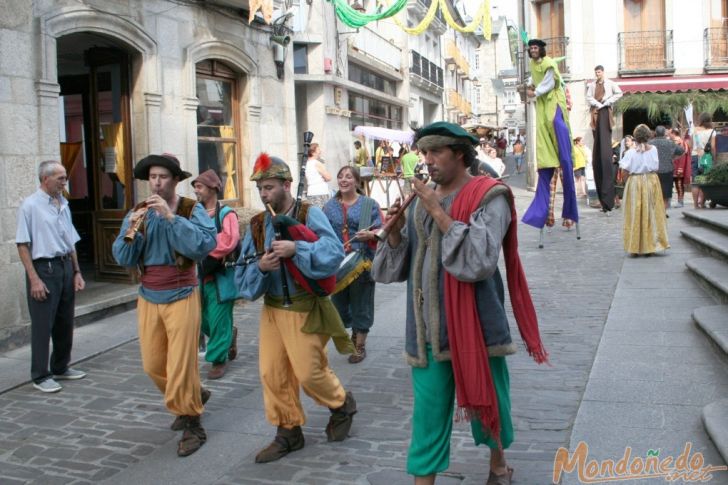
[
  {"x": 293, "y": 338},
  {"x": 447, "y": 247}
]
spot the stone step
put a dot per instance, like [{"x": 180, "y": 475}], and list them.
[
  {"x": 713, "y": 320},
  {"x": 708, "y": 240},
  {"x": 716, "y": 219},
  {"x": 715, "y": 420},
  {"x": 712, "y": 274}
]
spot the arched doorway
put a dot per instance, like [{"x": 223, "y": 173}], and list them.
[{"x": 95, "y": 136}]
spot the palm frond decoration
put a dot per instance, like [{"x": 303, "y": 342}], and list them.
[{"x": 659, "y": 104}]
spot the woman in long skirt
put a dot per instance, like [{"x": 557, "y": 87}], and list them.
[{"x": 645, "y": 224}]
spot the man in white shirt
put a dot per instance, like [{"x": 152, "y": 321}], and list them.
[{"x": 601, "y": 95}]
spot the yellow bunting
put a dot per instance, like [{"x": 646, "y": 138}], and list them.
[{"x": 482, "y": 19}]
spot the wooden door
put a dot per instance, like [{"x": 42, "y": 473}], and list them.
[
  {"x": 110, "y": 153},
  {"x": 644, "y": 37}
]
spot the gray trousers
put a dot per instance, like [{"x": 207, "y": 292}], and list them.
[{"x": 51, "y": 319}]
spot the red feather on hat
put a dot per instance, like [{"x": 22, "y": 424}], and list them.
[{"x": 262, "y": 163}]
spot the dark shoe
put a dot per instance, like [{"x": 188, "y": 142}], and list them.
[
  {"x": 359, "y": 340},
  {"x": 179, "y": 422},
  {"x": 505, "y": 479},
  {"x": 193, "y": 437},
  {"x": 216, "y": 371},
  {"x": 341, "y": 419},
  {"x": 285, "y": 441},
  {"x": 359, "y": 355},
  {"x": 233, "y": 350}
]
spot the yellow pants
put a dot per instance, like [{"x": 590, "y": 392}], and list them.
[
  {"x": 289, "y": 358},
  {"x": 168, "y": 336}
]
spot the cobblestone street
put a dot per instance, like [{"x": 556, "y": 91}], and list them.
[{"x": 113, "y": 426}]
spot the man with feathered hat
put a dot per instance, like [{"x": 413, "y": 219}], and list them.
[
  {"x": 446, "y": 246},
  {"x": 218, "y": 289},
  {"x": 164, "y": 236},
  {"x": 553, "y": 141},
  {"x": 293, "y": 337}
]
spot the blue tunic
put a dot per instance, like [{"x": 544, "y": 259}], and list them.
[
  {"x": 193, "y": 238},
  {"x": 335, "y": 212},
  {"x": 315, "y": 260}
]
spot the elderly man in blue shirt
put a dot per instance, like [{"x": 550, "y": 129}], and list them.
[
  {"x": 164, "y": 236},
  {"x": 46, "y": 242}
]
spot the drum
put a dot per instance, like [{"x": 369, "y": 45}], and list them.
[{"x": 353, "y": 265}]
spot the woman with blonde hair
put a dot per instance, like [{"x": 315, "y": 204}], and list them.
[{"x": 645, "y": 224}]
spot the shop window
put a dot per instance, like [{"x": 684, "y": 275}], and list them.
[{"x": 218, "y": 124}]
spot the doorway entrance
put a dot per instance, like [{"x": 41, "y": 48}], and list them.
[{"x": 94, "y": 124}]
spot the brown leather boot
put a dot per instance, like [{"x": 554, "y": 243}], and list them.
[
  {"x": 179, "y": 422},
  {"x": 285, "y": 441},
  {"x": 341, "y": 419},
  {"x": 360, "y": 352},
  {"x": 193, "y": 437}
]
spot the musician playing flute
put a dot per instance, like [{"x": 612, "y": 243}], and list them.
[
  {"x": 292, "y": 352},
  {"x": 446, "y": 246},
  {"x": 353, "y": 217},
  {"x": 174, "y": 233}
]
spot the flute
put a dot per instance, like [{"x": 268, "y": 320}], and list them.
[
  {"x": 134, "y": 228},
  {"x": 284, "y": 275},
  {"x": 383, "y": 233}
]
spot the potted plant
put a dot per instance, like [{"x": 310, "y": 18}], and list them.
[{"x": 714, "y": 185}]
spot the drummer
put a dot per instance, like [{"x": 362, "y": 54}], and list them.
[{"x": 355, "y": 218}]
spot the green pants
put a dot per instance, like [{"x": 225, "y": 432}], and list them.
[
  {"x": 217, "y": 324},
  {"x": 434, "y": 405}
]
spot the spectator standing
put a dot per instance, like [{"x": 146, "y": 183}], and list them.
[
  {"x": 667, "y": 151},
  {"x": 361, "y": 155},
  {"x": 681, "y": 165},
  {"x": 317, "y": 177},
  {"x": 518, "y": 149},
  {"x": 580, "y": 157},
  {"x": 702, "y": 136},
  {"x": 46, "y": 241}
]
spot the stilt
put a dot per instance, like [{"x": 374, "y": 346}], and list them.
[
  {"x": 540, "y": 239},
  {"x": 578, "y": 233}
]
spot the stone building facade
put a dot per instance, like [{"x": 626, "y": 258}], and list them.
[{"x": 99, "y": 84}]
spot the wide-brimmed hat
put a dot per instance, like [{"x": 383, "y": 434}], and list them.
[
  {"x": 166, "y": 160},
  {"x": 210, "y": 179}
]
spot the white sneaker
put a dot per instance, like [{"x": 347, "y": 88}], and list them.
[
  {"x": 70, "y": 375},
  {"x": 48, "y": 385}
]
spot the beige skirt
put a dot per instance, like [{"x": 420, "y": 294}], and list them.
[{"x": 645, "y": 224}]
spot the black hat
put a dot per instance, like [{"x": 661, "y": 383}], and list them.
[
  {"x": 166, "y": 160},
  {"x": 537, "y": 42}
]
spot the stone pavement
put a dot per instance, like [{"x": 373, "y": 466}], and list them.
[{"x": 614, "y": 327}]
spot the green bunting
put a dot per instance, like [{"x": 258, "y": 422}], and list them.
[{"x": 356, "y": 19}]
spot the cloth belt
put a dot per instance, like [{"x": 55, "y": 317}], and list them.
[{"x": 322, "y": 317}]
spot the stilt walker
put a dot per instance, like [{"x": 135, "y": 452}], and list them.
[{"x": 553, "y": 144}]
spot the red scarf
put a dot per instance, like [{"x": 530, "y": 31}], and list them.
[{"x": 473, "y": 381}]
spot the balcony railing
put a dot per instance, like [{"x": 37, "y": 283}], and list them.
[
  {"x": 426, "y": 69},
  {"x": 371, "y": 43},
  {"x": 556, "y": 47},
  {"x": 715, "y": 48},
  {"x": 455, "y": 101},
  {"x": 645, "y": 52},
  {"x": 454, "y": 56}
]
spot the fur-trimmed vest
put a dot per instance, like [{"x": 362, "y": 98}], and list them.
[{"x": 489, "y": 296}]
